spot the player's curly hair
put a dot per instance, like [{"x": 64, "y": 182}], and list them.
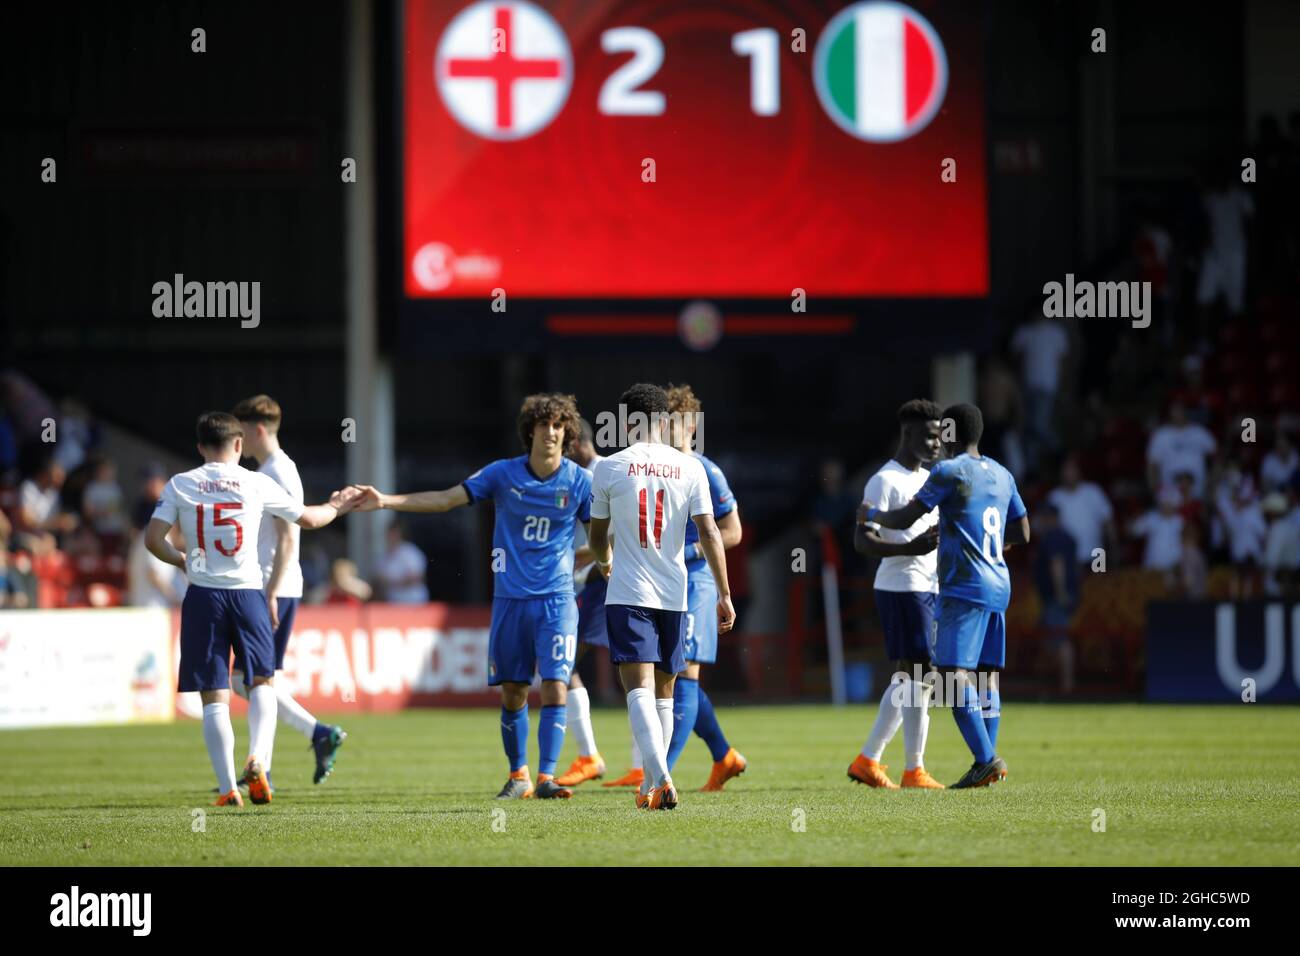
[
  {"x": 681, "y": 399},
  {"x": 968, "y": 423},
  {"x": 919, "y": 410},
  {"x": 548, "y": 407},
  {"x": 649, "y": 400}
]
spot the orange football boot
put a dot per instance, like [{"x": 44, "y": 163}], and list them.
[
  {"x": 259, "y": 788},
  {"x": 581, "y": 770},
  {"x": 871, "y": 772},
  {"x": 920, "y": 778},
  {"x": 633, "y": 778},
  {"x": 732, "y": 765},
  {"x": 231, "y": 799},
  {"x": 642, "y": 799},
  {"x": 663, "y": 798},
  {"x": 519, "y": 785}
]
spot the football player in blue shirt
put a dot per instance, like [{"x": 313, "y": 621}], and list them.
[
  {"x": 540, "y": 498},
  {"x": 980, "y": 511}
]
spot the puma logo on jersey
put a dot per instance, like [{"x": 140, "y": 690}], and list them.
[{"x": 517, "y": 493}]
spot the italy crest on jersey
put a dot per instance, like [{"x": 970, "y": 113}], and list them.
[{"x": 562, "y": 498}]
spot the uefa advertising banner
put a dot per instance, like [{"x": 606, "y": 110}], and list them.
[
  {"x": 1229, "y": 651},
  {"x": 65, "y": 668},
  {"x": 380, "y": 657}
]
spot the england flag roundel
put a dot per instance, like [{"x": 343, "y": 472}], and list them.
[
  {"x": 880, "y": 71},
  {"x": 503, "y": 68}
]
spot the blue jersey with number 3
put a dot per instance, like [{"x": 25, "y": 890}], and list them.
[
  {"x": 976, "y": 498},
  {"x": 532, "y": 540}
]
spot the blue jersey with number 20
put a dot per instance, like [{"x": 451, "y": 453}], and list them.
[
  {"x": 976, "y": 498},
  {"x": 535, "y": 521}
]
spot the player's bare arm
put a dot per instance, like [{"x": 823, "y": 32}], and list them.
[
  {"x": 155, "y": 539},
  {"x": 599, "y": 542},
  {"x": 318, "y": 516},
  {"x": 1018, "y": 532},
  {"x": 284, "y": 554},
  {"x": 898, "y": 520},
  {"x": 868, "y": 542},
  {"x": 714, "y": 554},
  {"x": 421, "y": 502}
]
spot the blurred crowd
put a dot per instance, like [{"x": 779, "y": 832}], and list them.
[{"x": 71, "y": 534}]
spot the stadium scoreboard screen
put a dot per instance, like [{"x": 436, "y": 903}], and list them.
[{"x": 661, "y": 149}]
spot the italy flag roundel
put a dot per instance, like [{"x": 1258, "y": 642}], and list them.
[{"x": 880, "y": 71}]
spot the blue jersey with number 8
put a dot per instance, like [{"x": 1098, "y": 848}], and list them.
[{"x": 976, "y": 498}]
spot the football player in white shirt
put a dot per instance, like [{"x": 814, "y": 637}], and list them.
[
  {"x": 277, "y": 552},
  {"x": 905, "y": 588},
  {"x": 648, "y": 492},
  {"x": 219, "y": 507}
]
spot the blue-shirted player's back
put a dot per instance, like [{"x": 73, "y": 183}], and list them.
[
  {"x": 534, "y": 528},
  {"x": 724, "y": 502},
  {"x": 976, "y": 498}
]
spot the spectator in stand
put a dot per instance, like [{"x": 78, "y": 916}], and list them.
[
  {"x": 1244, "y": 525},
  {"x": 1042, "y": 344},
  {"x": 1192, "y": 508},
  {"x": 1000, "y": 401},
  {"x": 1162, "y": 527},
  {"x": 153, "y": 479},
  {"x": 1179, "y": 445},
  {"x": 1056, "y": 577},
  {"x": 1085, "y": 513},
  {"x": 1201, "y": 405},
  {"x": 101, "y": 503},
  {"x": 151, "y": 582},
  {"x": 1280, "y": 466},
  {"x": 1282, "y": 548},
  {"x": 1192, "y": 568},
  {"x": 400, "y": 571},
  {"x": 39, "y": 514},
  {"x": 75, "y": 435},
  {"x": 8, "y": 444},
  {"x": 346, "y": 586},
  {"x": 21, "y": 581},
  {"x": 1223, "y": 262}
]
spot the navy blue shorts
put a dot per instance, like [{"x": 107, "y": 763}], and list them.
[
  {"x": 214, "y": 622},
  {"x": 907, "y": 618},
  {"x": 532, "y": 635},
  {"x": 591, "y": 611},
  {"x": 643, "y": 635},
  {"x": 288, "y": 610}
]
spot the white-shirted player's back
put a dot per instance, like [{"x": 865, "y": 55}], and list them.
[
  {"x": 219, "y": 507},
  {"x": 652, "y": 491}
]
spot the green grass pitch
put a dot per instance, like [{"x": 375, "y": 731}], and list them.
[{"x": 1177, "y": 785}]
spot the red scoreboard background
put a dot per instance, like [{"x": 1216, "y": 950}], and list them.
[{"x": 679, "y": 148}]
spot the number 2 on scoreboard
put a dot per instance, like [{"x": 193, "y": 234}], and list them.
[{"x": 620, "y": 96}]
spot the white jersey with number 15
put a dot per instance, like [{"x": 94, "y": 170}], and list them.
[
  {"x": 219, "y": 508},
  {"x": 649, "y": 492}
]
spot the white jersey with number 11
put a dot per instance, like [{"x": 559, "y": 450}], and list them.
[{"x": 649, "y": 492}]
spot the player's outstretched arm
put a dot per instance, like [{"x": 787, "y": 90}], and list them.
[
  {"x": 425, "y": 502},
  {"x": 155, "y": 539},
  {"x": 318, "y": 516},
  {"x": 1018, "y": 531},
  {"x": 867, "y": 542},
  {"x": 898, "y": 519},
  {"x": 714, "y": 554}
]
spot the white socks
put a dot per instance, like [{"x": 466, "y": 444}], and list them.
[
  {"x": 664, "y": 705},
  {"x": 648, "y": 731},
  {"x": 219, "y": 737},
  {"x": 916, "y": 722},
  {"x": 636, "y": 753},
  {"x": 261, "y": 722},
  {"x": 578, "y": 716},
  {"x": 237, "y": 684},
  {"x": 887, "y": 721},
  {"x": 290, "y": 711}
]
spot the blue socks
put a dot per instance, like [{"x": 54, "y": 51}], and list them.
[
  {"x": 320, "y": 732},
  {"x": 514, "y": 736},
  {"x": 706, "y": 725},
  {"x": 970, "y": 721},
  {"x": 686, "y": 704},
  {"x": 550, "y": 736},
  {"x": 992, "y": 714}
]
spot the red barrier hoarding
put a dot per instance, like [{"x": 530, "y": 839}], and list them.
[{"x": 384, "y": 657}]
